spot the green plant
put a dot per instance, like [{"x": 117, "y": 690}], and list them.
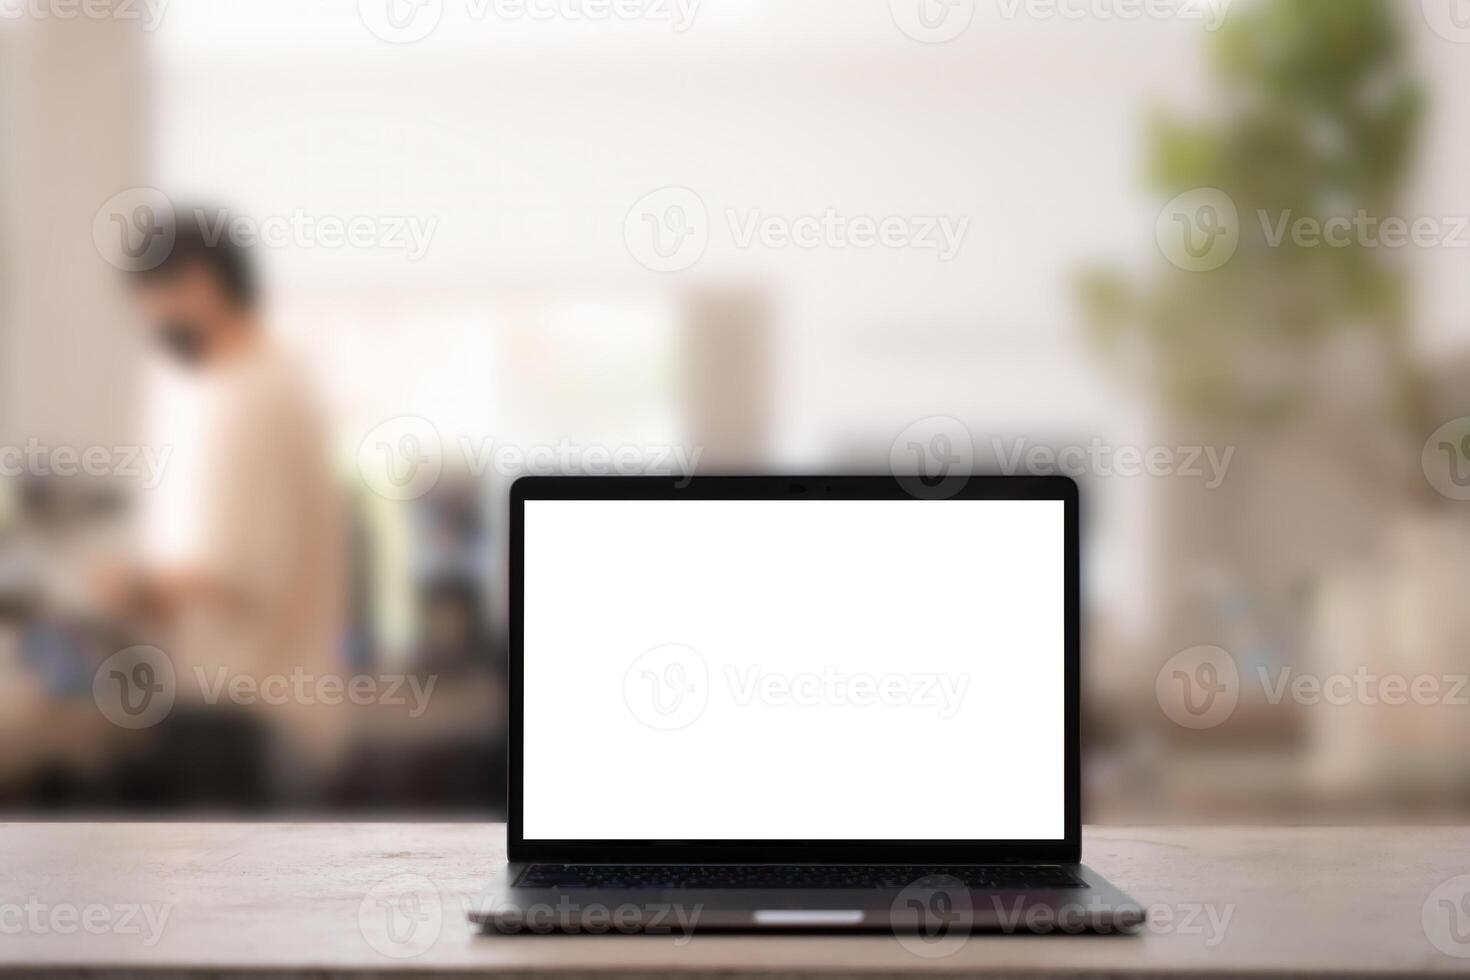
[{"x": 1320, "y": 114}]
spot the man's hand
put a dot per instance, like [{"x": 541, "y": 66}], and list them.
[
  {"x": 117, "y": 588},
  {"x": 157, "y": 597}
]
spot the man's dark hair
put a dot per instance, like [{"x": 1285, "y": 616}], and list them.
[{"x": 202, "y": 236}]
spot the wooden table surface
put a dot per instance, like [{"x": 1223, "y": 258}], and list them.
[{"x": 233, "y": 899}]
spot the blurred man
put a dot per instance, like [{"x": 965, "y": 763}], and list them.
[{"x": 243, "y": 565}]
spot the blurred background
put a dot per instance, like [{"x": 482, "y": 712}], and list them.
[{"x": 497, "y": 237}]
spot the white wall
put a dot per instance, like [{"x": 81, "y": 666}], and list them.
[{"x": 73, "y": 137}]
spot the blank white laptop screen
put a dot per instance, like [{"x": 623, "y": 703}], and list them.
[{"x": 794, "y": 670}]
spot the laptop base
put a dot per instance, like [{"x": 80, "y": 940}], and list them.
[{"x": 931, "y": 910}]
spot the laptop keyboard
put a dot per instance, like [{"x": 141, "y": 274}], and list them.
[{"x": 994, "y": 876}]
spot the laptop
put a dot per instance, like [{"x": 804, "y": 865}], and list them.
[{"x": 788, "y": 703}]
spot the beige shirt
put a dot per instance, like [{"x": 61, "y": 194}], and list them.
[{"x": 248, "y": 498}]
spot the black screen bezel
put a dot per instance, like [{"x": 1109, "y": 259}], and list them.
[{"x": 1066, "y": 850}]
